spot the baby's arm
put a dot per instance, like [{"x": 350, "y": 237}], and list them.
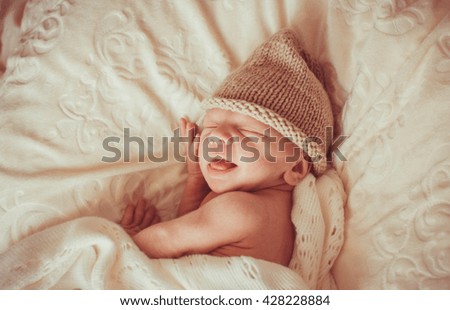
[
  {"x": 196, "y": 187},
  {"x": 224, "y": 220},
  {"x": 138, "y": 217},
  {"x": 194, "y": 192}
]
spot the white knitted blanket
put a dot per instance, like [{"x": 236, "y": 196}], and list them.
[
  {"x": 73, "y": 72},
  {"x": 95, "y": 253}
]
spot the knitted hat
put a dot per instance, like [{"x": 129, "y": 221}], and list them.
[{"x": 280, "y": 86}]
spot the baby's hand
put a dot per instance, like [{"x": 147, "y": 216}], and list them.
[
  {"x": 191, "y": 131},
  {"x": 138, "y": 217}
]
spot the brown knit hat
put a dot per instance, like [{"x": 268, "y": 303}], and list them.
[{"x": 280, "y": 86}]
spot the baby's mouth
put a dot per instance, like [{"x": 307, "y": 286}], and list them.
[{"x": 221, "y": 164}]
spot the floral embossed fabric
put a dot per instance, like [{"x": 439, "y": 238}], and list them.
[{"x": 75, "y": 72}]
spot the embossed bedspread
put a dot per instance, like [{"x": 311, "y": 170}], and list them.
[{"x": 75, "y": 72}]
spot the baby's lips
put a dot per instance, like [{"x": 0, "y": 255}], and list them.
[
  {"x": 222, "y": 164},
  {"x": 215, "y": 156}
]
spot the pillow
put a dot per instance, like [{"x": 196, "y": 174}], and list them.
[{"x": 395, "y": 66}]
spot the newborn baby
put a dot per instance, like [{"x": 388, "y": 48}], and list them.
[
  {"x": 249, "y": 156},
  {"x": 229, "y": 207}
]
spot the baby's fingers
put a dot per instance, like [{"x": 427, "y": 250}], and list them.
[
  {"x": 193, "y": 130},
  {"x": 183, "y": 130},
  {"x": 195, "y": 144},
  {"x": 128, "y": 215},
  {"x": 139, "y": 213},
  {"x": 188, "y": 129},
  {"x": 148, "y": 218}
]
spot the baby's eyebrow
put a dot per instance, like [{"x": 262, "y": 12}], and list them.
[
  {"x": 257, "y": 130},
  {"x": 253, "y": 129},
  {"x": 208, "y": 121}
]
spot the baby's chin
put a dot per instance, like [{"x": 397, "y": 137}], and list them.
[{"x": 221, "y": 188}]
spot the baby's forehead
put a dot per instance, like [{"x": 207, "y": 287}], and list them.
[{"x": 218, "y": 116}]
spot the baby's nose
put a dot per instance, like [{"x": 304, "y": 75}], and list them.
[
  {"x": 214, "y": 142},
  {"x": 221, "y": 134}
]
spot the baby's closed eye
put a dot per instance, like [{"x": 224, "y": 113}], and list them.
[
  {"x": 209, "y": 125},
  {"x": 251, "y": 132}
]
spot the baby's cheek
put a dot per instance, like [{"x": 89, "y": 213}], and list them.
[
  {"x": 202, "y": 161},
  {"x": 249, "y": 151},
  {"x": 286, "y": 153},
  {"x": 203, "y": 153}
]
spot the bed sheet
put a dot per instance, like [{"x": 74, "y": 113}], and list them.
[{"x": 75, "y": 72}]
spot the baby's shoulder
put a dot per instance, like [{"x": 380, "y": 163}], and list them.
[{"x": 237, "y": 204}]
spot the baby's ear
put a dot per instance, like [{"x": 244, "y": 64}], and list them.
[{"x": 294, "y": 175}]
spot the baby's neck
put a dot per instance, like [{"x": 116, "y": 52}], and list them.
[
  {"x": 280, "y": 194},
  {"x": 279, "y": 188},
  {"x": 282, "y": 187}
]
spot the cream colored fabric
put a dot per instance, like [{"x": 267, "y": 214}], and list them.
[
  {"x": 319, "y": 222},
  {"x": 93, "y": 253},
  {"x": 74, "y": 72}
]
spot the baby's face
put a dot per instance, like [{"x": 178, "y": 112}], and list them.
[{"x": 237, "y": 152}]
